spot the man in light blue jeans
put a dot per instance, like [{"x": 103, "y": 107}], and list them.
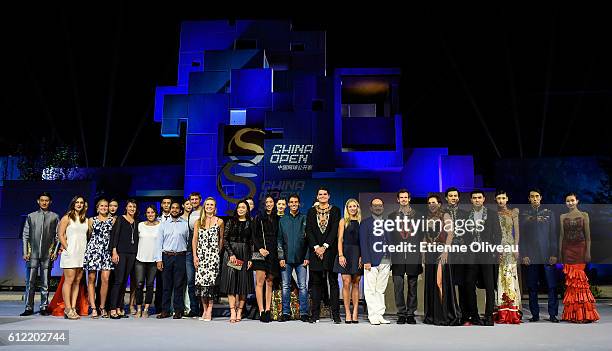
[{"x": 293, "y": 256}]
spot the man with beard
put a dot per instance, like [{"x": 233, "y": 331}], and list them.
[
  {"x": 170, "y": 258},
  {"x": 405, "y": 264}
]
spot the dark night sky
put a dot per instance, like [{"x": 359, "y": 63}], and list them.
[{"x": 460, "y": 66}]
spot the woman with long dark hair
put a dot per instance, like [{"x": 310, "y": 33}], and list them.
[
  {"x": 236, "y": 278},
  {"x": 441, "y": 306},
  {"x": 575, "y": 253},
  {"x": 98, "y": 257},
  {"x": 145, "y": 266},
  {"x": 265, "y": 256},
  {"x": 124, "y": 247},
  {"x": 72, "y": 234}
]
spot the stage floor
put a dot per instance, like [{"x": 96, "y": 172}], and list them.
[{"x": 191, "y": 334}]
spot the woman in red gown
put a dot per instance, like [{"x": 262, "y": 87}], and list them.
[{"x": 575, "y": 252}]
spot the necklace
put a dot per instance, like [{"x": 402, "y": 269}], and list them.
[{"x": 132, "y": 226}]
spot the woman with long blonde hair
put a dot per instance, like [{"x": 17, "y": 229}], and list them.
[
  {"x": 206, "y": 245},
  {"x": 348, "y": 263}
]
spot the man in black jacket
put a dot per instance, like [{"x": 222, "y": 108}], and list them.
[
  {"x": 405, "y": 263},
  {"x": 457, "y": 260},
  {"x": 481, "y": 266},
  {"x": 322, "y": 233}
]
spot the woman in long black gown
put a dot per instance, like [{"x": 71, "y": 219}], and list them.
[{"x": 440, "y": 301}]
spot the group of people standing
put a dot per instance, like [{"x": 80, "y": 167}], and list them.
[{"x": 191, "y": 255}]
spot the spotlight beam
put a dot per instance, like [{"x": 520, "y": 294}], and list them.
[
  {"x": 75, "y": 87},
  {"x": 551, "y": 54},
  {"x": 471, "y": 98},
  {"x": 111, "y": 87}
]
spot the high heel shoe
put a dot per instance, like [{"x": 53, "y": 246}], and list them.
[
  {"x": 72, "y": 315},
  {"x": 75, "y": 315},
  {"x": 238, "y": 314},
  {"x": 94, "y": 313},
  {"x": 67, "y": 313},
  {"x": 232, "y": 313},
  {"x": 145, "y": 313},
  {"x": 103, "y": 313}
]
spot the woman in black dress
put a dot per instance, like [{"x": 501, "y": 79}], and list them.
[
  {"x": 440, "y": 301},
  {"x": 348, "y": 263},
  {"x": 236, "y": 277},
  {"x": 265, "y": 256}
]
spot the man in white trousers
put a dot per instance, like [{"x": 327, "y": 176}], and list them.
[{"x": 376, "y": 264}]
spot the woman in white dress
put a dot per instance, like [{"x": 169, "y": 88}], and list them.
[{"x": 73, "y": 237}]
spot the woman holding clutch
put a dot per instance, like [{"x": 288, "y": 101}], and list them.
[{"x": 236, "y": 278}]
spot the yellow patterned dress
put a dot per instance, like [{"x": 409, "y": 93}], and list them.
[{"x": 508, "y": 292}]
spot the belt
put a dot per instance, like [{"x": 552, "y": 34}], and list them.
[{"x": 172, "y": 253}]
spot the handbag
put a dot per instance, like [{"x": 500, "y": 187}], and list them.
[
  {"x": 237, "y": 266},
  {"x": 257, "y": 256}
]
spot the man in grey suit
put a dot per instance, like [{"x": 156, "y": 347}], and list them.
[{"x": 40, "y": 247}]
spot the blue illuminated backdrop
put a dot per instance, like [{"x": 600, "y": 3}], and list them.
[{"x": 318, "y": 127}]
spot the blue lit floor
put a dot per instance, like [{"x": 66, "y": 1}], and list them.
[{"x": 191, "y": 334}]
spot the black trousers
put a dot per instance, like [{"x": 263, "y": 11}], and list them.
[
  {"x": 125, "y": 266},
  {"x": 457, "y": 273},
  {"x": 174, "y": 281},
  {"x": 145, "y": 271},
  {"x": 407, "y": 307},
  {"x": 485, "y": 273},
  {"x": 318, "y": 284}
]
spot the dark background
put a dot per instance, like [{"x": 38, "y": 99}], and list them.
[{"x": 535, "y": 81}]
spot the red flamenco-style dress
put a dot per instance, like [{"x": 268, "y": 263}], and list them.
[
  {"x": 57, "y": 305},
  {"x": 578, "y": 302}
]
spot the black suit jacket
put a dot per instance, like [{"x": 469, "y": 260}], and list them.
[
  {"x": 406, "y": 262},
  {"x": 329, "y": 237},
  {"x": 491, "y": 234}
]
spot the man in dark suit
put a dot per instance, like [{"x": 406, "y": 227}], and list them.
[
  {"x": 322, "y": 233},
  {"x": 539, "y": 247},
  {"x": 405, "y": 264},
  {"x": 481, "y": 266},
  {"x": 458, "y": 216}
]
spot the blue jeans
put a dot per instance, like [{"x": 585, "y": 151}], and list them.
[
  {"x": 286, "y": 274},
  {"x": 194, "y": 302},
  {"x": 533, "y": 279}
]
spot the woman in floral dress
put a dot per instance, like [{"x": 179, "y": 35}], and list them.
[
  {"x": 508, "y": 292},
  {"x": 98, "y": 256}
]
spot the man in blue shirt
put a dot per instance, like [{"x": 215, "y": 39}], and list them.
[
  {"x": 170, "y": 258},
  {"x": 293, "y": 255},
  {"x": 539, "y": 246}
]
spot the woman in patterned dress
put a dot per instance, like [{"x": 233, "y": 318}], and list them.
[
  {"x": 98, "y": 257},
  {"x": 508, "y": 292},
  {"x": 207, "y": 242}
]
